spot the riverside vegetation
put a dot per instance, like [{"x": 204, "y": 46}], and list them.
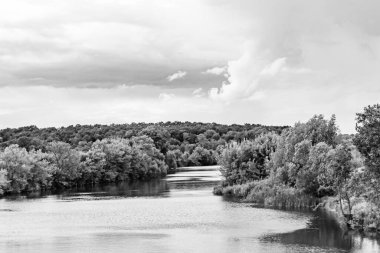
[
  {"x": 311, "y": 165},
  {"x": 307, "y": 165},
  {"x": 35, "y": 160}
]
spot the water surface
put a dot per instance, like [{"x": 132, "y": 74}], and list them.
[{"x": 176, "y": 214}]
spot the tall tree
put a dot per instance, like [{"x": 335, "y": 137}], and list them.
[
  {"x": 66, "y": 162},
  {"x": 367, "y": 140}
]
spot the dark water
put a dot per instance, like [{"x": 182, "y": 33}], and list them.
[{"x": 178, "y": 214}]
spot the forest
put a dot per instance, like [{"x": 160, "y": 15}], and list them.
[
  {"x": 39, "y": 159},
  {"x": 311, "y": 165}
]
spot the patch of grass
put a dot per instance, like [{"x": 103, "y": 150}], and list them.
[{"x": 267, "y": 193}]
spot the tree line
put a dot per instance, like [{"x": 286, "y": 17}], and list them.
[
  {"x": 39, "y": 159},
  {"x": 310, "y": 161}
]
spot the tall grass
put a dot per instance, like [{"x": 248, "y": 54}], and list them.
[{"x": 267, "y": 193}]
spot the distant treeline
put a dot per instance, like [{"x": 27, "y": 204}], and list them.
[
  {"x": 83, "y": 136},
  {"x": 33, "y": 158}
]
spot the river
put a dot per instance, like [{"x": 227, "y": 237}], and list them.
[{"x": 175, "y": 214}]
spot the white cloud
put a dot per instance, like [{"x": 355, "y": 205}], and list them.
[
  {"x": 177, "y": 75},
  {"x": 166, "y": 96},
  {"x": 198, "y": 92},
  {"x": 103, "y": 43},
  {"x": 216, "y": 70},
  {"x": 242, "y": 80},
  {"x": 275, "y": 67},
  {"x": 324, "y": 46}
]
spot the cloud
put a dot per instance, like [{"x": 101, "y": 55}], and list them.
[
  {"x": 285, "y": 60},
  {"x": 304, "y": 47},
  {"x": 177, "y": 75},
  {"x": 198, "y": 93},
  {"x": 100, "y": 43},
  {"x": 216, "y": 71},
  {"x": 166, "y": 96},
  {"x": 275, "y": 67},
  {"x": 243, "y": 78}
]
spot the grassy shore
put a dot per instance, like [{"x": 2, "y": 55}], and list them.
[
  {"x": 365, "y": 217},
  {"x": 268, "y": 194}
]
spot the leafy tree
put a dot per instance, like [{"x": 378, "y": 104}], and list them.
[
  {"x": 116, "y": 161},
  {"x": 298, "y": 163},
  {"x": 153, "y": 160},
  {"x": 41, "y": 170},
  {"x": 159, "y": 135},
  {"x": 238, "y": 163},
  {"x": 66, "y": 162},
  {"x": 341, "y": 167},
  {"x": 367, "y": 141},
  {"x": 92, "y": 167},
  {"x": 202, "y": 156},
  {"x": 24, "y": 171},
  {"x": 313, "y": 178},
  {"x": 15, "y": 161},
  {"x": 3, "y": 181},
  {"x": 171, "y": 160}
]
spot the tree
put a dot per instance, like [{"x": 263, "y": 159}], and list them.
[
  {"x": 202, "y": 156},
  {"x": 3, "y": 181},
  {"x": 92, "y": 165},
  {"x": 313, "y": 177},
  {"x": 238, "y": 164},
  {"x": 340, "y": 168},
  {"x": 66, "y": 162},
  {"x": 41, "y": 170},
  {"x": 367, "y": 141},
  {"x": 300, "y": 149},
  {"x": 159, "y": 135},
  {"x": 113, "y": 158},
  {"x": 23, "y": 171},
  {"x": 265, "y": 145},
  {"x": 152, "y": 160},
  {"x": 171, "y": 160},
  {"x": 297, "y": 168},
  {"x": 15, "y": 161}
]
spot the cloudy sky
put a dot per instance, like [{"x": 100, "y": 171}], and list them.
[{"x": 246, "y": 61}]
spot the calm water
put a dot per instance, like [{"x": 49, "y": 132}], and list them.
[{"x": 177, "y": 214}]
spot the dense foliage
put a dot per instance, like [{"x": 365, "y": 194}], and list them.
[
  {"x": 166, "y": 135},
  {"x": 109, "y": 160},
  {"x": 299, "y": 157},
  {"x": 33, "y": 159},
  {"x": 310, "y": 159},
  {"x": 368, "y": 142}
]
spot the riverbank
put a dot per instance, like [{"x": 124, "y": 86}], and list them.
[
  {"x": 365, "y": 217},
  {"x": 178, "y": 213},
  {"x": 268, "y": 194}
]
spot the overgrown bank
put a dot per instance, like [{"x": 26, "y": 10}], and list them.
[
  {"x": 268, "y": 194},
  {"x": 311, "y": 165}
]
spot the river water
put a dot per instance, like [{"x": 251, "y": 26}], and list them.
[{"x": 176, "y": 214}]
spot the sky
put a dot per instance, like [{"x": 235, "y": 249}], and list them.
[{"x": 269, "y": 62}]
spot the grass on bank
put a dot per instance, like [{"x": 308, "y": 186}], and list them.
[
  {"x": 365, "y": 216},
  {"x": 267, "y": 193}
]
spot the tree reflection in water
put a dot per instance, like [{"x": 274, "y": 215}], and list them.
[{"x": 323, "y": 231}]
